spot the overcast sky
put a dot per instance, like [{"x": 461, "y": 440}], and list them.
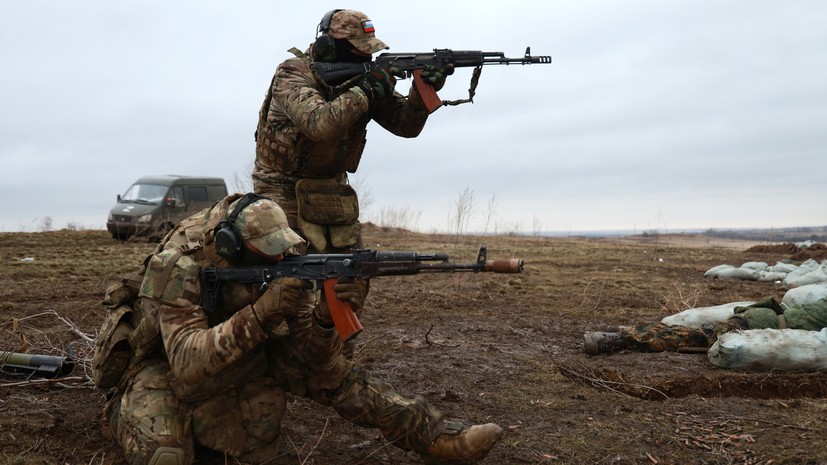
[{"x": 653, "y": 115}]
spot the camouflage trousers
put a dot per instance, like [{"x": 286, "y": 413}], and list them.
[
  {"x": 151, "y": 423},
  {"x": 410, "y": 424},
  {"x": 154, "y": 427},
  {"x": 660, "y": 337},
  {"x": 282, "y": 190}
]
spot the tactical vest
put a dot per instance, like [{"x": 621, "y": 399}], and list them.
[
  {"x": 280, "y": 145},
  {"x": 131, "y": 334}
]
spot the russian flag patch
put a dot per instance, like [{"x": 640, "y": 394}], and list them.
[{"x": 367, "y": 26}]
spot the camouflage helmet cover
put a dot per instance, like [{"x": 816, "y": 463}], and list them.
[
  {"x": 358, "y": 29},
  {"x": 263, "y": 226}
]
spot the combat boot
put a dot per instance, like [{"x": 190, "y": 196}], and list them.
[
  {"x": 461, "y": 446},
  {"x": 597, "y": 342}
]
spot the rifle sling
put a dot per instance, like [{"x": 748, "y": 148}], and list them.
[{"x": 472, "y": 90}]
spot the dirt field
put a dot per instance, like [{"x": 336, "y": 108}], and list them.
[{"x": 501, "y": 348}]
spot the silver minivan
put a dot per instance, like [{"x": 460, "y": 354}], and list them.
[{"x": 153, "y": 205}]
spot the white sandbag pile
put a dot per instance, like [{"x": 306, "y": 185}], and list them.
[
  {"x": 809, "y": 272},
  {"x": 695, "y": 317},
  {"x": 731, "y": 272},
  {"x": 790, "y": 275},
  {"x": 771, "y": 350},
  {"x": 805, "y": 294}
]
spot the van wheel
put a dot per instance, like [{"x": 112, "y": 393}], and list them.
[{"x": 120, "y": 236}]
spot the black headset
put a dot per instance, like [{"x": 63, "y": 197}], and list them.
[
  {"x": 228, "y": 242},
  {"x": 324, "y": 48},
  {"x": 324, "y": 24}
]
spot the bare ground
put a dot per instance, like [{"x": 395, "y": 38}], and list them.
[{"x": 502, "y": 348}]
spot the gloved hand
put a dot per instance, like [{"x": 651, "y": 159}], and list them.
[
  {"x": 380, "y": 83},
  {"x": 351, "y": 290},
  {"x": 435, "y": 76},
  {"x": 283, "y": 298}
]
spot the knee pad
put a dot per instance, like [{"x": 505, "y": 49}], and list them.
[{"x": 168, "y": 456}]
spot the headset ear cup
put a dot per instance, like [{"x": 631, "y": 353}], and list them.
[
  {"x": 324, "y": 49},
  {"x": 228, "y": 242}
]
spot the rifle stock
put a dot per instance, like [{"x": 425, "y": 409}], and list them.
[{"x": 325, "y": 269}]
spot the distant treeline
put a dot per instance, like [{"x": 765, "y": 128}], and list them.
[{"x": 800, "y": 234}]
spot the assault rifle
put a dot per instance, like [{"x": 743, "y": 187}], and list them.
[
  {"x": 43, "y": 366},
  {"x": 412, "y": 64},
  {"x": 325, "y": 269}
]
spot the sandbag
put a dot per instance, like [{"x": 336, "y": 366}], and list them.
[
  {"x": 771, "y": 350},
  {"x": 805, "y": 294},
  {"x": 695, "y": 317},
  {"x": 771, "y": 276},
  {"x": 758, "y": 266},
  {"x": 752, "y": 271},
  {"x": 747, "y": 274},
  {"x": 809, "y": 272},
  {"x": 782, "y": 267},
  {"x": 713, "y": 272}
]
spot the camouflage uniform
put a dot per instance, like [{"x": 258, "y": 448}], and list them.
[
  {"x": 660, "y": 337},
  {"x": 311, "y": 134},
  {"x": 219, "y": 380},
  {"x": 761, "y": 315},
  {"x": 308, "y": 129}
]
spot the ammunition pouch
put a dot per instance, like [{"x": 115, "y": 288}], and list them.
[
  {"x": 129, "y": 333},
  {"x": 113, "y": 350},
  {"x": 328, "y": 213}
]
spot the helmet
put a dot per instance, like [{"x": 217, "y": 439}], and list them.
[{"x": 354, "y": 26}]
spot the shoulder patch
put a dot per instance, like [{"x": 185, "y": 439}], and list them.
[{"x": 171, "y": 278}]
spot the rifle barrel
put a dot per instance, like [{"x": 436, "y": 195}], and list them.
[
  {"x": 526, "y": 60},
  {"x": 514, "y": 265}
]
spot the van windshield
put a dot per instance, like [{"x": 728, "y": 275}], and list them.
[{"x": 148, "y": 194}]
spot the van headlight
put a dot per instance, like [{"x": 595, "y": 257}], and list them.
[
  {"x": 111, "y": 217},
  {"x": 145, "y": 218}
]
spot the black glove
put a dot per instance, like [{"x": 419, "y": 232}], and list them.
[
  {"x": 379, "y": 83},
  {"x": 435, "y": 76}
]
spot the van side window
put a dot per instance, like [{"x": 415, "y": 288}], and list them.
[
  {"x": 197, "y": 193},
  {"x": 216, "y": 192}
]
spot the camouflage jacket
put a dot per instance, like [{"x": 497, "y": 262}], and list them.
[
  {"x": 211, "y": 353},
  {"x": 309, "y": 129}
]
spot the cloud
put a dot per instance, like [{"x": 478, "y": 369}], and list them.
[{"x": 702, "y": 114}]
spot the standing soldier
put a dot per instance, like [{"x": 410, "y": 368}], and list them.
[{"x": 311, "y": 133}]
